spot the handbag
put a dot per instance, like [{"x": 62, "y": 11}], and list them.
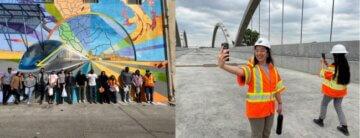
[
  {"x": 101, "y": 90},
  {"x": 126, "y": 88},
  {"x": 64, "y": 94},
  {"x": 51, "y": 91}
]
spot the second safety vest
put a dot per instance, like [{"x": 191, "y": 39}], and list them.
[
  {"x": 262, "y": 88},
  {"x": 149, "y": 81},
  {"x": 330, "y": 87}
]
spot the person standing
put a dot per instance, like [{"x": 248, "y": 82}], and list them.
[
  {"x": 126, "y": 82},
  {"x": 53, "y": 86},
  {"x": 334, "y": 87},
  {"x": 103, "y": 88},
  {"x": 92, "y": 86},
  {"x": 137, "y": 81},
  {"x": 81, "y": 84},
  {"x": 16, "y": 86},
  {"x": 29, "y": 84},
  {"x": 264, "y": 87},
  {"x": 42, "y": 80},
  {"x": 70, "y": 84},
  {"x": 113, "y": 88},
  {"x": 149, "y": 84},
  {"x": 6, "y": 79},
  {"x": 61, "y": 86}
]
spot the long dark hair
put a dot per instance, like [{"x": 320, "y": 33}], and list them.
[
  {"x": 342, "y": 70},
  {"x": 268, "y": 59}
]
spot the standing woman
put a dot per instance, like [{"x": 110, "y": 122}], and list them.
[
  {"x": 113, "y": 88},
  {"x": 336, "y": 78},
  {"x": 16, "y": 86},
  {"x": 264, "y": 86},
  {"x": 103, "y": 85},
  {"x": 137, "y": 81},
  {"x": 61, "y": 86},
  {"x": 53, "y": 83},
  {"x": 29, "y": 84}
]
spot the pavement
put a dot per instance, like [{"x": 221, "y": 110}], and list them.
[
  {"x": 88, "y": 120},
  {"x": 211, "y": 104}
]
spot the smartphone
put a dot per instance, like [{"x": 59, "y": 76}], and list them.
[
  {"x": 323, "y": 55},
  {"x": 226, "y": 46}
]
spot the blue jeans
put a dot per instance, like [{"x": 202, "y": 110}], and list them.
[
  {"x": 92, "y": 93},
  {"x": 127, "y": 93},
  {"x": 149, "y": 93},
  {"x": 29, "y": 91}
]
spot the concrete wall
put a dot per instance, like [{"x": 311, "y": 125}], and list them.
[{"x": 306, "y": 58}]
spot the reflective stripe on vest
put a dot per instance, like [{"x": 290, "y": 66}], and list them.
[
  {"x": 247, "y": 74},
  {"x": 260, "y": 97},
  {"x": 333, "y": 85},
  {"x": 258, "y": 80}
]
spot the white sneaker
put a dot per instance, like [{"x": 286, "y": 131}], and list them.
[{"x": 28, "y": 102}]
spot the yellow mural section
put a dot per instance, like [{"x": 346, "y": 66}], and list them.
[{"x": 10, "y": 54}]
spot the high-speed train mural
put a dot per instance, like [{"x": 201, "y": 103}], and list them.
[
  {"x": 103, "y": 35},
  {"x": 51, "y": 55}
]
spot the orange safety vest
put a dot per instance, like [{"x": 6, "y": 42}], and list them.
[
  {"x": 330, "y": 87},
  {"x": 260, "y": 99},
  {"x": 149, "y": 81}
]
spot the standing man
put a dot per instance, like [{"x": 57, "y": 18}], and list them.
[
  {"x": 126, "y": 81},
  {"x": 70, "y": 83},
  {"x": 6, "y": 79},
  {"x": 81, "y": 84},
  {"x": 92, "y": 86},
  {"x": 42, "y": 80},
  {"x": 149, "y": 84}
]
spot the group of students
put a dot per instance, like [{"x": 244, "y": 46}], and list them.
[
  {"x": 101, "y": 88},
  {"x": 265, "y": 85}
]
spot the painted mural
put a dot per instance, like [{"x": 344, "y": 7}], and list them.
[{"x": 72, "y": 35}]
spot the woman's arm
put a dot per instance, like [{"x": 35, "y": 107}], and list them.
[{"x": 222, "y": 57}]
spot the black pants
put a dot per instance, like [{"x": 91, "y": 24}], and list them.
[
  {"x": 69, "y": 91},
  {"x": 6, "y": 91},
  {"x": 16, "y": 93},
  {"x": 41, "y": 89}
]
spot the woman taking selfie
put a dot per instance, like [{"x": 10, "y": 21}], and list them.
[
  {"x": 264, "y": 86},
  {"x": 336, "y": 78}
]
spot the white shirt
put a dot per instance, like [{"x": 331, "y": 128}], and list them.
[
  {"x": 53, "y": 78},
  {"x": 92, "y": 79}
]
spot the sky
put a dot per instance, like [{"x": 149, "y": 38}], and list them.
[{"x": 198, "y": 18}]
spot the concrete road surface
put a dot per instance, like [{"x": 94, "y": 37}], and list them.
[
  {"x": 88, "y": 120},
  {"x": 211, "y": 104}
]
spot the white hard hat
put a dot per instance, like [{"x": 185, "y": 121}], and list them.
[
  {"x": 263, "y": 42},
  {"x": 338, "y": 48}
]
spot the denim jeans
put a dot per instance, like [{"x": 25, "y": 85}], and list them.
[
  {"x": 127, "y": 93},
  {"x": 149, "y": 93},
  {"x": 92, "y": 94},
  {"x": 29, "y": 91}
]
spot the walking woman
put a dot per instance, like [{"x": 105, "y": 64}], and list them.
[
  {"x": 103, "y": 88},
  {"x": 264, "y": 86},
  {"x": 336, "y": 78},
  {"x": 29, "y": 84},
  {"x": 137, "y": 81}
]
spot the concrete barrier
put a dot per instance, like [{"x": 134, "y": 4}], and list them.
[{"x": 306, "y": 57}]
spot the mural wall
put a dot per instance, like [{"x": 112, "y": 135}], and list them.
[{"x": 72, "y": 35}]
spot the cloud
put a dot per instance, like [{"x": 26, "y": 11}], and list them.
[{"x": 198, "y": 18}]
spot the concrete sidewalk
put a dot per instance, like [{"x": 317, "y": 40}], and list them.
[
  {"x": 211, "y": 104},
  {"x": 88, "y": 120}
]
